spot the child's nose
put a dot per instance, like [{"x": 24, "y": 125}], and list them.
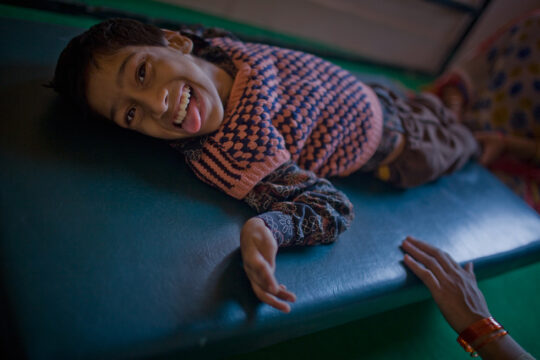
[{"x": 157, "y": 103}]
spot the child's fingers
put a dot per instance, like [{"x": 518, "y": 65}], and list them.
[
  {"x": 281, "y": 293},
  {"x": 286, "y": 295},
  {"x": 270, "y": 299},
  {"x": 264, "y": 279},
  {"x": 267, "y": 247},
  {"x": 259, "y": 271}
]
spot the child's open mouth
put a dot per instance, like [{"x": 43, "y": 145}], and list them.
[{"x": 188, "y": 117}]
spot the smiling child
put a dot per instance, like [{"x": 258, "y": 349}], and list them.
[{"x": 264, "y": 124}]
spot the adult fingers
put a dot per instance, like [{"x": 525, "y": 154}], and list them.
[
  {"x": 445, "y": 260},
  {"x": 430, "y": 262},
  {"x": 270, "y": 299},
  {"x": 470, "y": 269},
  {"x": 424, "y": 274}
]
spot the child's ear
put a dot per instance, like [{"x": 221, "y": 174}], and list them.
[{"x": 177, "y": 41}]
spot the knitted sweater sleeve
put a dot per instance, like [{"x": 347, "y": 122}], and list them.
[{"x": 300, "y": 208}]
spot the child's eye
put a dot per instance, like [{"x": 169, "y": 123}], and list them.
[
  {"x": 130, "y": 116},
  {"x": 141, "y": 72}
]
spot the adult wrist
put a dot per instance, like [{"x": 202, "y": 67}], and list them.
[{"x": 479, "y": 334}]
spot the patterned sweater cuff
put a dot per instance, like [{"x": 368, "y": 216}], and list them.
[{"x": 281, "y": 226}]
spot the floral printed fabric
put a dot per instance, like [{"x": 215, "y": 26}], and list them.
[
  {"x": 300, "y": 208},
  {"x": 507, "y": 98}
]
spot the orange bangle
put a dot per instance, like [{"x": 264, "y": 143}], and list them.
[
  {"x": 474, "y": 353},
  {"x": 490, "y": 339},
  {"x": 479, "y": 329},
  {"x": 475, "y": 331}
]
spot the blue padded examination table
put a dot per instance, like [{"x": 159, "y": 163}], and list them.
[{"x": 111, "y": 249}]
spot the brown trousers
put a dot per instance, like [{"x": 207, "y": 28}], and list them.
[{"x": 435, "y": 143}]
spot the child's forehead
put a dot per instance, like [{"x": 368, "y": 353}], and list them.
[
  {"x": 123, "y": 52},
  {"x": 108, "y": 61}
]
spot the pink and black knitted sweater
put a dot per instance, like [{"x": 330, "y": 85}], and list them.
[{"x": 283, "y": 105}]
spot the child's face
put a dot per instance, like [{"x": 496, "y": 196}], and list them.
[{"x": 163, "y": 92}]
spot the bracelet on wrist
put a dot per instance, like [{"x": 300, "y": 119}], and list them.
[
  {"x": 486, "y": 330},
  {"x": 492, "y": 337}
]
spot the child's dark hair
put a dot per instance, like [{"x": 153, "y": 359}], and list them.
[
  {"x": 104, "y": 38},
  {"x": 110, "y": 36}
]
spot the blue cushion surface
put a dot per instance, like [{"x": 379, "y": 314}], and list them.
[{"x": 110, "y": 248}]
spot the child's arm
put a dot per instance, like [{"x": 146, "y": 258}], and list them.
[
  {"x": 259, "y": 249},
  {"x": 298, "y": 208}
]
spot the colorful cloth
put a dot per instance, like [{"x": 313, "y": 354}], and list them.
[
  {"x": 435, "y": 143},
  {"x": 507, "y": 98},
  {"x": 502, "y": 79},
  {"x": 392, "y": 128},
  {"x": 300, "y": 208},
  {"x": 286, "y": 104}
]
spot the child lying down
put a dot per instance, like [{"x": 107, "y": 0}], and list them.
[{"x": 264, "y": 124}]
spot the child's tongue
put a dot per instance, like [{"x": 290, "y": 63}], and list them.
[{"x": 192, "y": 122}]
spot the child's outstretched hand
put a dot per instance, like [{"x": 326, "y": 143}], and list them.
[{"x": 259, "y": 249}]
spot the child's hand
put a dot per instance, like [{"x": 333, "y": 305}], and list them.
[{"x": 259, "y": 249}]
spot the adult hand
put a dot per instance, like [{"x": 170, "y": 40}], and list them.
[
  {"x": 493, "y": 145},
  {"x": 453, "y": 288},
  {"x": 259, "y": 249}
]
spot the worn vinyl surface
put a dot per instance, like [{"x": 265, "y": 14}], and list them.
[{"x": 111, "y": 248}]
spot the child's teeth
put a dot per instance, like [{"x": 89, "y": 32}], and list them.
[{"x": 184, "y": 102}]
